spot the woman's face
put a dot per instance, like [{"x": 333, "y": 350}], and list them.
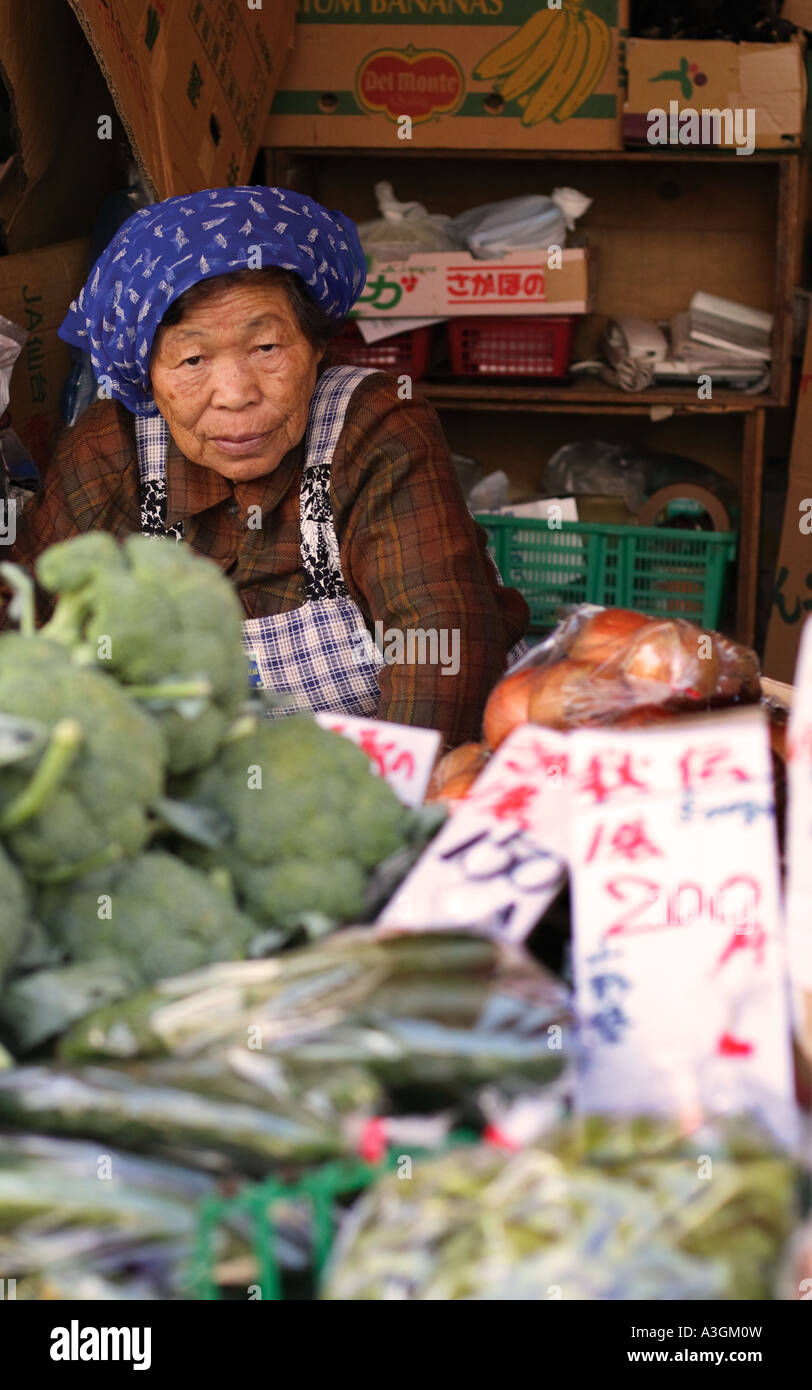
[{"x": 234, "y": 378}]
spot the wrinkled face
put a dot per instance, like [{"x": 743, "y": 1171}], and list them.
[{"x": 234, "y": 378}]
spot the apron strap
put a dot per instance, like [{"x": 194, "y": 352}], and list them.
[
  {"x": 321, "y": 559},
  {"x": 318, "y": 541},
  {"x": 151, "y": 443}
]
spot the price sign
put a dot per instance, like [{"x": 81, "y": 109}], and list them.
[
  {"x": 402, "y": 755},
  {"x": 501, "y": 861},
  {"x": 680, "y": 970},
  {"x": 799, "y": 837}
]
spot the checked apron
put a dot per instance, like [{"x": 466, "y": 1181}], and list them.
[{"x": 321, "y": 656}]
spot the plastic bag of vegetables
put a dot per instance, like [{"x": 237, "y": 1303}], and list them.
[
  {"x": 64, "y": 1234},
  {"x": 437, "y": 1013},
  {"x": 614, "y": 1212},
  {"x": 617, "y": 666}
]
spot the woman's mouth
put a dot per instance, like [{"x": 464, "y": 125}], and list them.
[{"x": 240, "y": 446}]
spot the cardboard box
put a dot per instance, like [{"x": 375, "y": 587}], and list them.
[
  {"x": 453, "y": 284},
  {"x": 677, "y": 77},
  {"x": 360, "y": 66},
  {"x": 792, "y": 591},
  {"x": 192, "y": 82},
  {"x": 35, "y": 291},
  {"x": 55, "y": 182},
  {"x": 798, "y": 12}
]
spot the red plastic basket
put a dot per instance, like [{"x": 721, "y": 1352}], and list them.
[
  {"x": 537, "y": 346},
  {"x": 405, "y": 354}
]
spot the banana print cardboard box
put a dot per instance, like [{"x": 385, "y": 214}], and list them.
[{"x": 454, "y": 74}]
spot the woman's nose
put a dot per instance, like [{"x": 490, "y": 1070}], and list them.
[{"x": 234, "y": 386}]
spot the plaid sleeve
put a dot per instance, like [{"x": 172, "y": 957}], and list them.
[
  {"x": 91, "y": 483},
  {"x": 416, "y": 563}
]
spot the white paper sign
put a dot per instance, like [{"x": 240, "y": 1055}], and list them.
[
  {"x": 375, "y": 330},
  {"x": 680, "y": 969},
  {"x": 799, "y": 820},
  {"x": 404, "y": 756},
  {"x": 499, "y": 863}
]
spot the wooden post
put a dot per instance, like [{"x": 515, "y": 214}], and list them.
[{"x": 750, "y": 524}]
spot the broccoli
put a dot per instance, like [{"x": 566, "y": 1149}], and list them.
[
  {"x": 87, "y": 796},
  {"x": 14, "y": 920},
  {"x": 153, "y": 613},
  {"x": 308, "y": 820},
  {"x": 155, "y": 916}
]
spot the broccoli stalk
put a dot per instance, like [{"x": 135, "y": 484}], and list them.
[
  {"x": 63, "y": 745},
  {"x": 83, "y": 868}
]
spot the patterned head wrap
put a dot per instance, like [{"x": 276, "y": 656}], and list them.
[{"x": 166, "y": 248}]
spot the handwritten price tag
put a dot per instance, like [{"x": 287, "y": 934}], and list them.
[
  {"x": 402, "y": 755},
  {"x": 501, "y": 861},
  {"x": 680, "y": 970}
]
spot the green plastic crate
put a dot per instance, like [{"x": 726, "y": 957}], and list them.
[
  {"x": 320, "y": 1188},
  {"x": 658, "y": 570}
]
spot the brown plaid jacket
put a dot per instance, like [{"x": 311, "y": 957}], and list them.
[{"x": 412, "y": 556}]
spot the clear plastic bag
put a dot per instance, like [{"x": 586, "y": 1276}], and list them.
[
  {"x": 628, "y": 470},
  {"x": 490, "y": 493},
  {"x": 591, "y": 467},
  {"x": 530, "y": 223},
  {"x": 614, "y": 666},
  {"x": 404, "y": 228}
]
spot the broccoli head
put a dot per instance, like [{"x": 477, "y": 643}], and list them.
[
  {"x": 154, "y": 614},
  {"x": 308, "y": 820},
  {"x": 155, "y": 916},
  {"x": 14, "y": 920},
  {"x": 87, "y": 794}
]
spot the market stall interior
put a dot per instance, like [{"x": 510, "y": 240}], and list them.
[{"x": 405, "y": 691}]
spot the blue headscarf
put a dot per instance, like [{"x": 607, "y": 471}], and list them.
[{"x": 166, "y": 248}]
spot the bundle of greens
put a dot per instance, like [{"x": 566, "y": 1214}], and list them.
[
  {"x": 249, "y": 1067},
  {"x": 77, "y": 1225},
  {"x": 437, "y": 1015},
  {"x": 613, "y": 1212},
  {"x": 182, "y": 1115}
]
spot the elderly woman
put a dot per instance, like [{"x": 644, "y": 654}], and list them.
[{"x": 224, "y": 422}]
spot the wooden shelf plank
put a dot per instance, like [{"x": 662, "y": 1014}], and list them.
[
  {"x": 594, "y": 398},
  {"x": 663, "y": 155}
]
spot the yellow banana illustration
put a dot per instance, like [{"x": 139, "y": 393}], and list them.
[
  {"x": 599, "y": 45},
  {"x": 564, "y": 76},
  {"x": 544, "y": 97},
  {"x": 544, "y": 57},
  {"x": 508, "y": 54}
]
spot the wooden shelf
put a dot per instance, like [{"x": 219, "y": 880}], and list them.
[
  {"x": 685, "y": 200},
  {"x": 663, "y": 154},
  {"x": 591, "y": 398}
]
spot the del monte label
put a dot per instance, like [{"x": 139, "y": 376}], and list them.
[{"x": 419, "y": 83}]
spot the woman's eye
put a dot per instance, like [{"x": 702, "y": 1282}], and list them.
[
  {"x": 267, "y": 347},
  {"x": 192, "y": 361}
]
